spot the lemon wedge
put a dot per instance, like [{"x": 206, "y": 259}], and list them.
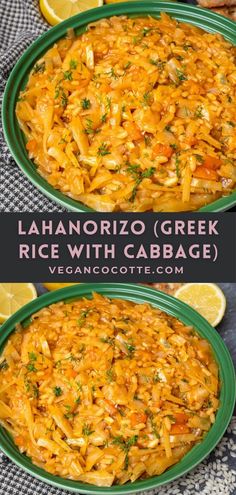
[
  {"x": 118, "y": 1},
  {"x": 13, "y": 297},
  {"x": 208, "y": 299},
  {"x": 56, "y": 11},
  {"x": 55, "y": 285}
]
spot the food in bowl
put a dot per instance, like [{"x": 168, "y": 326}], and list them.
[
  {"x": 134, "y": 115},
  {"x": 105, "y": 390}
]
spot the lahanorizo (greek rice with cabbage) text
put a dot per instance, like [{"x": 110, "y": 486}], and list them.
[
  {"x": 135, "y": 115},
  {"x": 106, "y": 391}
]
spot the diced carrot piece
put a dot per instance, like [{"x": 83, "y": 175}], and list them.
[
  {"x": 137, "y": 418},
  {"x": 212, "y": 162},
  {"x": 163, "y": 149},
  {"x": 133, "y": 131},
  {"x": 71, "y": 373},
  {"x": 179, "y": 429},
  {"x": 19, "y": 440},
  {"x": 181, "y": 418},
  {"x": 191, "y": 141},
  {"x": 31, "y": 145},
  {"x": 205, "y": 173}
]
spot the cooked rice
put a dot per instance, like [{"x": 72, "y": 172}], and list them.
[
  {"x": 135, "y": 115},
  {"x": 107, "y": 391}
]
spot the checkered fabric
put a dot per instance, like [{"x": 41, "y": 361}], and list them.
[{"x": 20, "y": 24}]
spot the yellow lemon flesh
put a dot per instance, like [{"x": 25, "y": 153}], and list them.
[
  {"x": 55, "y": 285},
  {"x": 56, "y": 11},
  {"x": 13, "y": 297},
  {"x": 208, "y": 299}
]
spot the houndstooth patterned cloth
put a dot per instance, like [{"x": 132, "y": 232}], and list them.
[{"x": 20, "y": 24}]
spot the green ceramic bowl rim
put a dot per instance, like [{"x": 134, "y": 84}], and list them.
[
  {"x": 14, "y": 137},
  {"x": 170, "y": 305}
]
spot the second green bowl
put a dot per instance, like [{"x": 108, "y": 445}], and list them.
[{"x": 171, "y": 306}]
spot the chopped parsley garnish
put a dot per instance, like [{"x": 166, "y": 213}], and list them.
[
  {"x": 198, "y": 112},
  {"x": 103, "y": 150},
  {"x": 61, "y": 93},
  {"x": 85, "y": 103},
  {"x": 138, "y": 176},
  {"x": 171, "y": 418},
  {"x": 181, "y": 76},
  {"x": 168, "y": 128},
  {"x": 199, "y": 158},
  {"x": 110, "y": 375},
  {"x": 87, "y": 430},
  {"x": 4, "y": 365},
  {"x": 63, "y": 141},
  {"x": 89, "y": 127},
  {"x": 31, "y": 367},
  {"x": 112, "y": 73},
  {"x": 83, "y": 316},
  {"x": 35, "y": 391},
  {"x": 157, "y": 378},
  {"x": 158, "y": 63},
  {"x": 153, "y": 424},
  {"x": 69, "y": 414},
  {"x": 231, "y": 123},
  {"x": 127, "y": 66},
  {"x": 68, "y": 75},
  {"x": 208, "y": 404},
  {"x": 130, "y": 348},
  {"x": 39, "y": 68},
  {"x": 187, "y": 46},
  {"x": 108, "y": 102},
  {"x": 108, "y": 340},
  {"x": 125, "y": 445},
  {"x": 27, "y": 385},
  {"x": 173, "y": 146},
  {"x": 147, "y": 98},
  {"x": 104, "y": 118},
  {"x": 73, "y": 64},
  {"x": 121, "y": 411},
  {"x": 32, "y": 356},
  {"x": 78, "y": 401},
  {"x": 177, "y": 164},
  {"x": 79, "y": 386},
  {"x": 57, "y": 391}
]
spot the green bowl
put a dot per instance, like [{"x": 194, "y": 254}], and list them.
[
  {"x": 171, "y": 306},
  {"x": 209, "y": 21}
]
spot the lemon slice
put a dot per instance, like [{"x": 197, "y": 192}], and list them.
[
  {"x": 55, "y": 285},
  {"x": 208, "y": 299},
  {"x": 56, "y": 11},
  {"x": 118, "y": 1},
  {"x": 13, "y": 297}
]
